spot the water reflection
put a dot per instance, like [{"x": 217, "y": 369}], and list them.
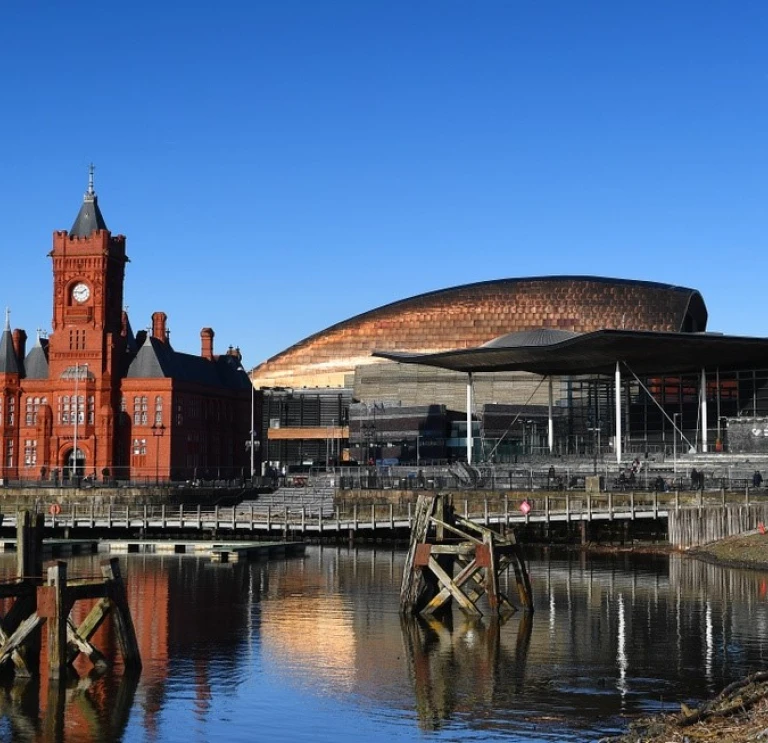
[
  {"x": 228, "y": 650},
  {"x": 96, "y": 707},
  {"x": 459, "y": 665}
]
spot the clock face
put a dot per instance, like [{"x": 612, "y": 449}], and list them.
[{"x": 81, "y": 292}]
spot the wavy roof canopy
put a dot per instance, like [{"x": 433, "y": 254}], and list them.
[
  {"x": 473, "y": 314},
  {"x": 597, "y": 353}
]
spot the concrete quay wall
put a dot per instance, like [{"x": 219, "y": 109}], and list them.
[{"x": 14, "y": 498}]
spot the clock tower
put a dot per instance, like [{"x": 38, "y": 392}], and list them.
[{"x": 87, "y": 343}]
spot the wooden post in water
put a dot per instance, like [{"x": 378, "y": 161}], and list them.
[
  {"x": 57, "y": 614},
  {"x": 481, "y": 554},
  {"x": 29, "y": 565},
  {"x": 126, "y": 633}
]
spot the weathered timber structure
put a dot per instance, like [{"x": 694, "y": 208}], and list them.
[
  {"x": 440, "y": 541},
  {"x": 35, "y": 604}
]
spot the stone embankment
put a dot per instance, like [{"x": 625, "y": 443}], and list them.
[{"x": 20, "y": 498}]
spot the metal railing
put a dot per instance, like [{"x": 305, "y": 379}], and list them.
[{"x": 325, "y": 515}]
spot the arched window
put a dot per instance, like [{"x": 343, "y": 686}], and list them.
[{"x": 140, "y": 411}]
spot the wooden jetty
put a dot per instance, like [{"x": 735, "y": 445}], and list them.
[
  {"x": 217, "y": 551},
  {"x": 57, "y": 547},
  {"x": 35, "y": 602},
  {"x": 440, "y": 541}
]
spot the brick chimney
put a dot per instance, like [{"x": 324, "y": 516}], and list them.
[
  {"x": 20, "y": 344},
  {"x": 158, "y": 326},
  {"x": 206, "y": 342}
]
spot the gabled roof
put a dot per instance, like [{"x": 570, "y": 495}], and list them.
[
  {"x": 644, "y": 352},
  {"x": 157, "y": 359},
  {"x": 36, "y": 363},
  {"x": 154, "y": 359}
]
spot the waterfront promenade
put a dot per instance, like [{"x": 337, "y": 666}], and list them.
[{"x": 301, "y": 513}]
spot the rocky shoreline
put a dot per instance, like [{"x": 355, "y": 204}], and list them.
[{"x": 740, "y": 712}]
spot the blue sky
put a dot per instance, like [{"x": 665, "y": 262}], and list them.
[{"x": 280, "y": 166}]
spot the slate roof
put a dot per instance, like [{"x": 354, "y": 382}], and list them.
[
  {"x": 36, "y": 363},
  {"x": 89, "y": 218},
  {"x": 9, "y": 364},
  {"x": 131, "y": 346},
  {"x": 157, "y": 359}
]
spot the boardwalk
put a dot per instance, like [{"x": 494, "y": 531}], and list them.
[{"x": 312, "y": 515}]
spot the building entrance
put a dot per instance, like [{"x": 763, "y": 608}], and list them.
[{"x": 74, "y": 464}]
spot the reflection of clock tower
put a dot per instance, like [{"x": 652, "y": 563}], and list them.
[{"x": 86, "y": 347}]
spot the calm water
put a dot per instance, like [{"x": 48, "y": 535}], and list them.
[{"x": 313, "y": 649}]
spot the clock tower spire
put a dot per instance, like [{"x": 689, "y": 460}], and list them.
[{"x": 88, "y": 275}]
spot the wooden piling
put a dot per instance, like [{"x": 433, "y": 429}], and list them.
[
  {"x": 126, "y": 633},
  {"x": 429, "y": 583},
  {"x": 52, "y": 603},
  {"x": 57, "y": 614}
]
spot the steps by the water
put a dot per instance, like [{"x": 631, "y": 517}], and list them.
[{"x": 313, "y": 500}]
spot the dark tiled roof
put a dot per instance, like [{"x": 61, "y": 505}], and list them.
[
  {"x": 36, "y": 363},
  {"x": 158, "y": 359},
  {"x": 9, "y": 364},
  {"x": 130, "y": 339},
  {"x": 153, "y": 360},
  {"x": 89, "y": 218}
]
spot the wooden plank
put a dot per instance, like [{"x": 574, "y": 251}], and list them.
[
  {"x": 86, "y": 591},
  {"x": 455, "y": 530},
  {"x": 91, "y": 623},
  {"x": 467, "y": 573},
  {"x": 16, "y": 656},
  {"x": 464, "y": 603},
  {"x": 523, "y": 581},
  {"x": 15, "y": 590},
  {"x": 15, "y": 641},
  {"x": 491, "y": 577},
  {"x": 57, "y": 619},
  {"x": 77, "y": 644},
  {"x": 126, "y": 632},
  {"x": 467, "y": 548},
  {"x": 413, "y": 583}
]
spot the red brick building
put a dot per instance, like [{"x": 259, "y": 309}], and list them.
[{"x": 93, "y": 400}]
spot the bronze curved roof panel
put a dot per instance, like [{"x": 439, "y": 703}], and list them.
[
  {"x": 470, "y": 315},
  {"x": 644, "y": 352}
]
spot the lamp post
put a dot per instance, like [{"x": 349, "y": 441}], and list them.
[
  {"x": 76, "y": 421},
  {"x": 674, "y": 442},
  {"x": 253, "y": 422},
  {"x": 369, "y": 434},
  {"x": 158, "y": 429},
  {"x": 253, "y": 426},
  {"x": 596, "y": 443}
]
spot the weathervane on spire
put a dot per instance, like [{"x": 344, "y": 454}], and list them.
[
  {"x": 90, "y": 194},
  {"x": 7, "y": 318}
]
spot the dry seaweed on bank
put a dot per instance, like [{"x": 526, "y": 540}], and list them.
[
  {"x": 743, "y": 551},
  {"x": 738, "y": 714}
]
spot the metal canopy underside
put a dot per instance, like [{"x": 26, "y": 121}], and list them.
[{"x": 644, "y": 352}]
